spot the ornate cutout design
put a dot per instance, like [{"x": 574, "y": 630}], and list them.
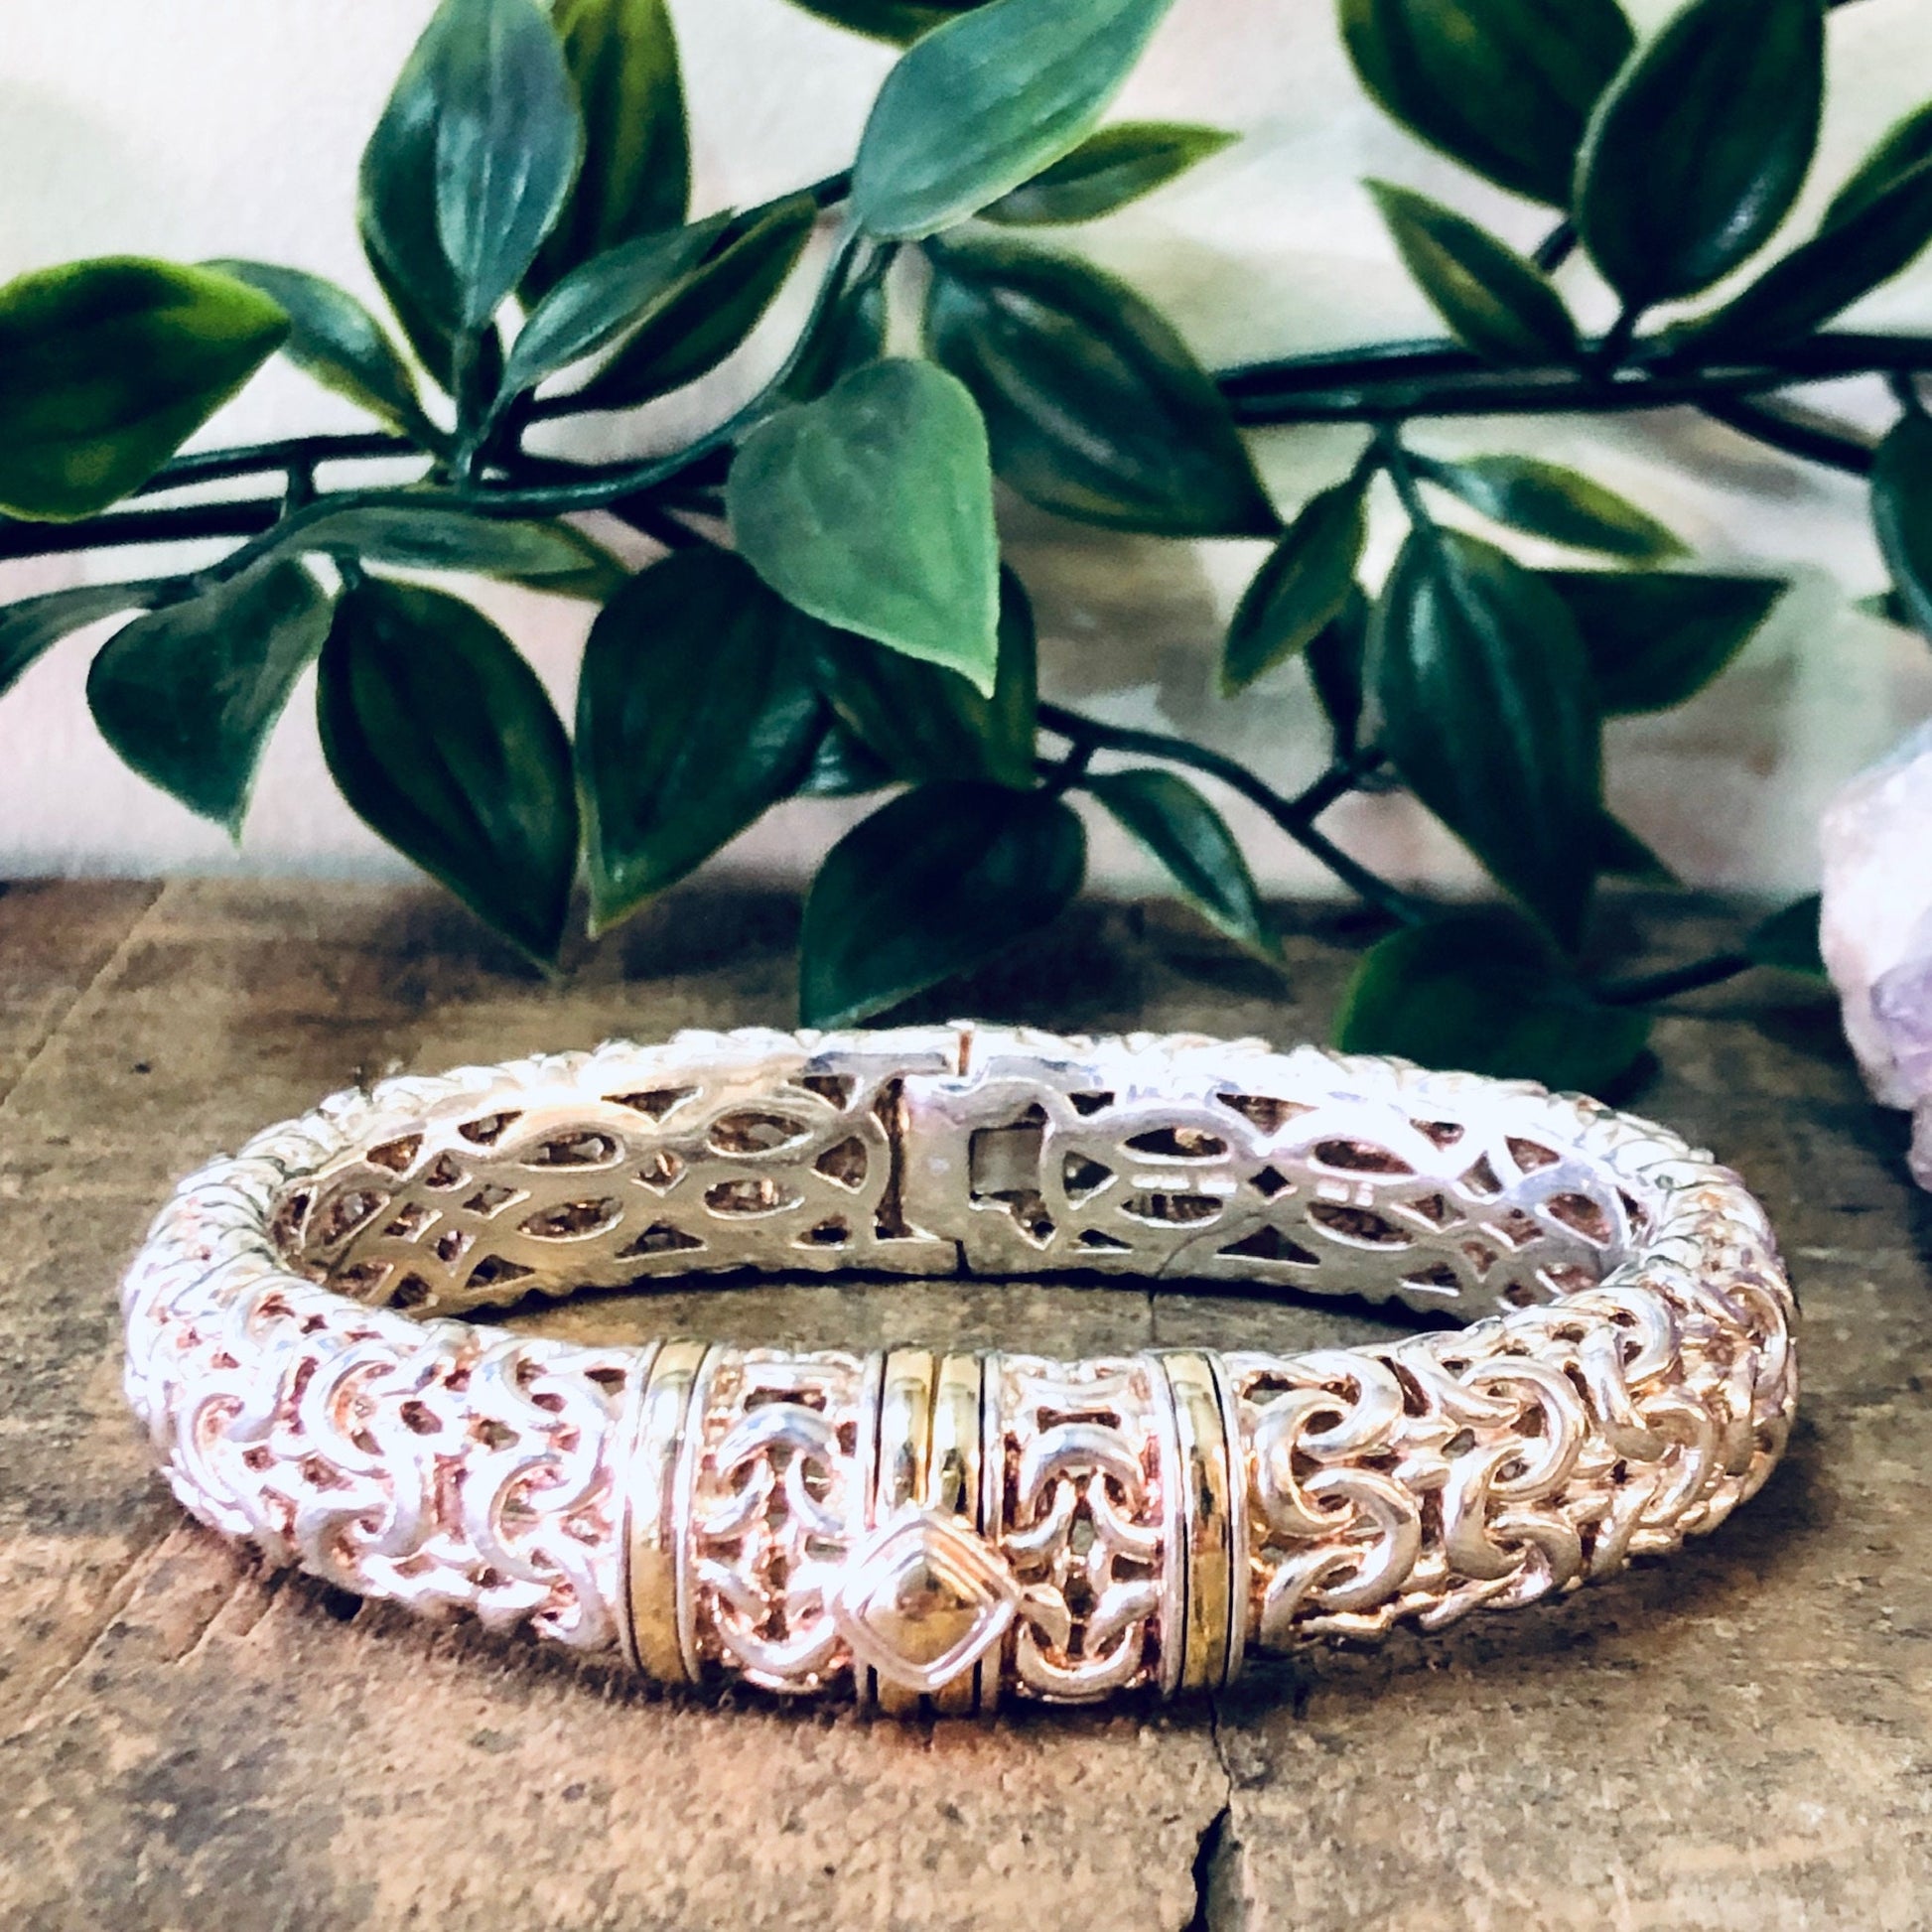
[{"x": 1077, "y": 1504}]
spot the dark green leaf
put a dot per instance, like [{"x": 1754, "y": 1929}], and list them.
[
  {"x": 873, "y": 509},
  {"x": 1300, "y": 590},
  {"x": 1906, "y": 143},
  {"x": 1657, "y": 638},
  {"x": 938, "y": 880},
  {"x": 469, "y": 167},
  {"x": 1547, "y": 500},
  {"x": 712, "y": 310},
  {"x": 895, "y": 21},
  {"x": 984, "y": 102},
  {"x": 1901, "y": 512},
  {"x": 926, "y": 722},
  {"x": 843, "y": 765},
  {"x": 1788, "y": 939},
  {"x": 433, "y": 536},
  {"x": 1108, "y": 169},
  {"x": 1180, "y": 828},
  {"x": 441, "y": 739},
  {"x": 1847, "y": 258},
  {"x": 37, "y": 624},
  {"x": 1488, "y": 714},
  {"x": 1888, "y": 606},
  {"x": 846, "y": 333},
  {"x": 1698, "y": 150},
  {"x": 106, "y": 367},
  {"x": 1504, "y": 86},
  {"x": 337, "y": 340},
  {"x": 695, "y": 711},
  {"x": 187, "y": 695},
  {"x": 1621, "y": 853},
  {"x": 636, "y": 171},
  {"x": 1496, "y": 301},
  {"x": 1335, "y": 656},
  {"x": 598, "y": 577},
  {"x": 1094, "y": 405},
  {"x": 1482, "y": 992},
  {"x": 594, "y": 305}
]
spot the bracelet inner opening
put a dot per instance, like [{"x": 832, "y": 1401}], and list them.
[{"x": 815, "y": 1173}]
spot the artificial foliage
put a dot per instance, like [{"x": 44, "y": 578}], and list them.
[{"x": 831, "y": 613}]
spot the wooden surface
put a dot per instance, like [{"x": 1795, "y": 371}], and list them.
[{"x": 1741, "y": 1737}]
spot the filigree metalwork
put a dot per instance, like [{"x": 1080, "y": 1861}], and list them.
[{"x": 950, "y": 1530}]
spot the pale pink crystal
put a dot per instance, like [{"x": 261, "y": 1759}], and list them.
[{"x": 1876, "y": 931}]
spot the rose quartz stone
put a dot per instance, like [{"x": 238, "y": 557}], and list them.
[{"x": 1876, "y": 930}]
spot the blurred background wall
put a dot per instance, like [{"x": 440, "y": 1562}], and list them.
[{"x": 204, "y": 127}]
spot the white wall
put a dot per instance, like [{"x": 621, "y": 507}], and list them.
[{"x": 201, "y": 127}]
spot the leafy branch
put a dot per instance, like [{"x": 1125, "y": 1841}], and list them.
[{"x": 832, "y": 615}]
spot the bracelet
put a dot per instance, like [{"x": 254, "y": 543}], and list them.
[{"x": 934, "y": 1530}]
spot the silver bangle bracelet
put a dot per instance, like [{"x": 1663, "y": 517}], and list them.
[{"x": 941, "y": 1531}]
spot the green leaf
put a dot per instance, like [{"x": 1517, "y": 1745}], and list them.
[
  {"x": 334, "y": 339},
  {"x": 1499, "y": 303},
  {"x": 637, "y": 173},
  {"x": 1504, "y": 86},
  {"x": 471, "y": 163},
  {"x": 711, "y": 311},
  {"x": 1547, "y": 500},
  {"x": 872, "y": 509},
  {"x": 106, "y": 367},
  {"x": 1788, "y": 939},
  {"x": 1482, "y": 992},
  {"x": 1888, "y": 606},
  {"x": 695, "y": 711},
  {"x": 1848, "y": 258},
  {"x": 936, "y": 881},
  {"x": 1622, "y": 854},
  {"x": 432, "y": 537},
  {"x": 926, "y": 723},
  {"x": 1901, "y": 512},
  {"x": 1095, "y": 406},
  {"x": 597, "y": 577},
  {"x": 984, "y": 102},
  {"x": 37, "y": 624},
  {"x": 848, "y": 332},
  {"x": 1109, "y": 168},
  {"x": 895, "y": 21},
  {"x": 1657, "y": 638},
  {"x": 1699, "y": 147},
  {"x": 594, "y": 305},
  {"x": 843, "y": 765},
  {"x": 187, "y": 695},
  {"x": 1488, "y": 714},
  {"x": 1335, "y": 656},
  {"x": 1302, "y": 588},
  {"x": 1173, "y": 823},
  {"x": 441, "y": 739},
  {"x": 1906, "y": 143}
]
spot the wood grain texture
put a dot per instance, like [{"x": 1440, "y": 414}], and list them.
[{"x": 1740, "y": 1738}]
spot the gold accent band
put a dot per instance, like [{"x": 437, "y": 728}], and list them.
[
  {"x": 1203, "y": 1520},
  {"x": 652, "y": 1532},
  {"x": 905, "y": 1448},
  {"x": 952, "y": 1482}
]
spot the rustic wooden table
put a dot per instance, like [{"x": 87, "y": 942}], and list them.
[{"x": 1739, "y": 1739}]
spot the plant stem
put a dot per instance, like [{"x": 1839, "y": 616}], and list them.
[
  {"x": 257, "y": 458},
  {"x": 1807, "y": 441},
  {"x": 1555, "y": 248},
  {"x": 18, "y": 539},
  {"x": 1438, "y": 378},
  {"x": 1295, "y": 816},
  {"x": 1667, "y": 985}
]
